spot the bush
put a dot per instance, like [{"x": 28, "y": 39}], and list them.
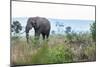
[
  {"x": 69, "y": 55},
  {"x": 90, "y": 52},
  {"x": 40, "y": 57},
  {"x": 93, "y": 30},
  {"x": 49, "y": 55},
  {"x": 56, "y": 54}
]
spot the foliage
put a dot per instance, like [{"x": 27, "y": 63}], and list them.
[
  {"x": 82, "y": 45},
  {"x": 90, "y": 52},
  {"x": 80, "y": 48},
  {"x": 69, "y": 55},
  {"x": 53, "y": 32},
  {"x": 57, "y": 54},
  {"x": 16, "y": 27},
  {"x": 80, "y": 37},
  {"x": 68, "y": 29},
  {"x": 93, "y": 30},
  {"x": 41, "y": 56}
]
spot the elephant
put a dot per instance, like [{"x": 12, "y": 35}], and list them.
[{"x": 41, "y": 25}]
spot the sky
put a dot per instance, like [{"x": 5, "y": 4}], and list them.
[
  {"x": 76, "y": 25},
  {"x": 57, "y": 11},
  {"x": 78, "y": 17}
]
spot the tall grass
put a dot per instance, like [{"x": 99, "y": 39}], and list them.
[
  {"x": 48, "y": 55},
  {"x": 58, "y": 49}
]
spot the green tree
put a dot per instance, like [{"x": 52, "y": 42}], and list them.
[
  {"x": 53, "y": 32},
  {"x": 68, "y": 29},
  {"x": 68, "y": 33},
  {"x": 16, "y": 27},
  {"x": 93, "y": 30}
]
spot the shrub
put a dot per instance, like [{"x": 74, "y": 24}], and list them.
[
  {"x": 93, "y": 30},
  {"x": 90, "y": 52},
  {"x": 56, "y": 54},
  {"x": 69, "y": 55},
  {"x": 40, "y": 57}
]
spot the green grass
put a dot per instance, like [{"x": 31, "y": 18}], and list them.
[{"x": 59, "y": 49}]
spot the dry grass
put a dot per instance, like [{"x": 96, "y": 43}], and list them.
[{"x": 58, "y": 48}]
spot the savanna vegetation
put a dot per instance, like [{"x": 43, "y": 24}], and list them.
[{"x": 68, "y": 48}]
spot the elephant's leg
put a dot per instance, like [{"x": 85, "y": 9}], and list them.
[
  {"x": 36, "y": 39},
  {"x": 27, "y": 29},
  {"x": 43, "y": 35},
  {"x": 47, "y": 35},
  {"x": 27, "y": 37},
  {"x": 37, "y": 35}
]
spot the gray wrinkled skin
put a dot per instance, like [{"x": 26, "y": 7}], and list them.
[{"x": 41, "y": 26}]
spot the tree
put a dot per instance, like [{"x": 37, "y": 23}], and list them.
[
  {"x": 93, "y": 30},
  {"x": 59, "y": 26},
  {"x": 68, "y": 34},
  {"x": 68, "y": 29},
  {"x": 53, "y": 32},
  {"x": 16, "y": 27}
]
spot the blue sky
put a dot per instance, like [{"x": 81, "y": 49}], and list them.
[
  {"x": 76, "y": 25},
  {"x": 78, "y": 18}
]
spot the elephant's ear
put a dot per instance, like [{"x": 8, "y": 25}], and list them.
[
  {"x": 28, "y": 28},
  {"x": 37, "y": 22},
  {"x": 29, "y": 25}
]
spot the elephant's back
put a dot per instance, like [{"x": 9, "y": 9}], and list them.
[{"x": 44, "y": 24}]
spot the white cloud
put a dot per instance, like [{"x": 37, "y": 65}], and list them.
[{"x": 27, "y": 9}]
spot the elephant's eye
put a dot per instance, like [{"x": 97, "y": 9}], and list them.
[{"x": 33, "y": 23}]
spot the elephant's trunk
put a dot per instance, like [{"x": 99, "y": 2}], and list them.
[
  {"x": 27, "y": 33},
  {"x": 27, "y": 37}
]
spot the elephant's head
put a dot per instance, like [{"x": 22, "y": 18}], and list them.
[
  {"x": 28, "y": 28},
  {"x": 32, "y": 22}
]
